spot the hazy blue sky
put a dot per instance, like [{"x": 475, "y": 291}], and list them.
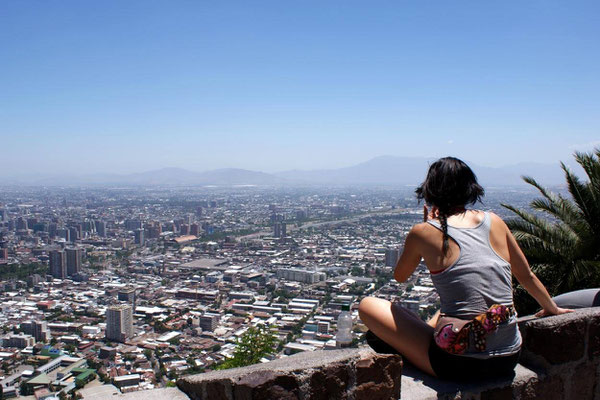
[{"x": 125, "y": 86}]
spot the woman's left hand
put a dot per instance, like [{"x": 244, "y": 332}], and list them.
[{"x": 558, "y": 311}]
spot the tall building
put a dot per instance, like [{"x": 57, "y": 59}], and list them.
[
  {"x": 127, "y": 295},
  {"x": 139, "y": 237},
  {"x": 391, "y": 257},
  {"x": 119, "y": 322},
  {"x": 184, "y": 229},
  {"x": 100, "y": 228},
  {"x": 277, "y": 217},
  {"x": 52, "y": 228},
  {"x": 209, "y": 321},
  {"x": 154, "y": 231},
  {"x": 279, "y": 229},
  {"x": 58, "y": 264},
  {"x": 89, "y": 226},
  {"x": 73, "y": 261},
  {"x": 22, "y": 224},
  {"x": 195, "y": 229},
  {"x": 73, "y": 234},
  {"x": 64, "y": 233},
  {"x": 37, "y": 329}
]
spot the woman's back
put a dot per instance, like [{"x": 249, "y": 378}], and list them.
[{"x": 477, "y": 278}]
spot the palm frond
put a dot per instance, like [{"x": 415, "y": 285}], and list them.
[
  {"x": 542, "y": 241},
  {"x": 584, "y": 198},
  {"x": 564, "y": 212},
  {"x": 564, "y": 251},
  {"x": 591, "y": 165},
  {"x": 556, "y": 206}
]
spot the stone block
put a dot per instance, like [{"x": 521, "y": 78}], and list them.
[
  {"x": 266, "y": 385},
  {"x": 557, "y": 339},
  {"x": 329, "y": 383},
  {"x": 378, "y": 377},
  {"x": 218, "y": 389}
]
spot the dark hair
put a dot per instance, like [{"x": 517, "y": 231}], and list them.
[{"x": 450, "y": 185}]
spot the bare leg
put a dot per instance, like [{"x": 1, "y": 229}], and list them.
[
  {"x": 400, "y": 328},
  {"x": 434, "y": 319}
]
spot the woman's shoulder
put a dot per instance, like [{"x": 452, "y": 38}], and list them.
[
  {"x": 422, "y": 231},
  {"x": 421, "y": 227},
  {"x": 496, "y": 219},
  {"x": 498, "y": 227}
]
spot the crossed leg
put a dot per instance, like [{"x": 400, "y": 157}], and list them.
[{"x": 400, "y": 328}]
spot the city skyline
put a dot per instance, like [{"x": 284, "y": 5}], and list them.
[{"x": 117, "y": 88}]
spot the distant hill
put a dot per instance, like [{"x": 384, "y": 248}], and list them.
[
  {"x": 379, "y": 170},
  {"x": 384, "y": 170},
  {"x": 412, "y": 171}
]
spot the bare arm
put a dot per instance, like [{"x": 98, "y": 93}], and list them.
[
  {"x": 531, "y": 283},
  {"x": 410, "y": 258}
]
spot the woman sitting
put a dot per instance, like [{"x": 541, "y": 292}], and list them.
[{"x": 471, "y": 256}]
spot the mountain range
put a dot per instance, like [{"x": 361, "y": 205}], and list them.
[{"x": 383, "y": 170}]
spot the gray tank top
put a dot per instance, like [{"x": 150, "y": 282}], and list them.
[{"x": 478, "y": 279}]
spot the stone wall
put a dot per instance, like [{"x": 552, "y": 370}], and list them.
[
  {"x": 560, "y": 360},
  {"x": 337, "y": 374},
  {"x": 565, "y": 351}
]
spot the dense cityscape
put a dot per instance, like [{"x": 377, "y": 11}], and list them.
[{"x": 117, "y": 289}]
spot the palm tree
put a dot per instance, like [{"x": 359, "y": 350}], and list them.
[{"x": 563, "y": 249}]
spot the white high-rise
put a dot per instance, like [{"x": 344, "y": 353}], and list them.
[{"x": 119, "y": 322}]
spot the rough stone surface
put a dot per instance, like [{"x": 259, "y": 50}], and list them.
[
  {"x": 155, "y": 394},
  {"x": 265, "y": 385},
  {"x": 218, "y": 389},
  {"x": 378, "y": 368},
  {"x": 330, "y": 383},
  {"x": 549, "y": 337},
  {"x": 378, "y": 377},
  {"x": 594, "y": 337},
  {"x": 583, "y": 382},
  {"x": 418, "y": 385},
  {"x": 550, "y": 387}
]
